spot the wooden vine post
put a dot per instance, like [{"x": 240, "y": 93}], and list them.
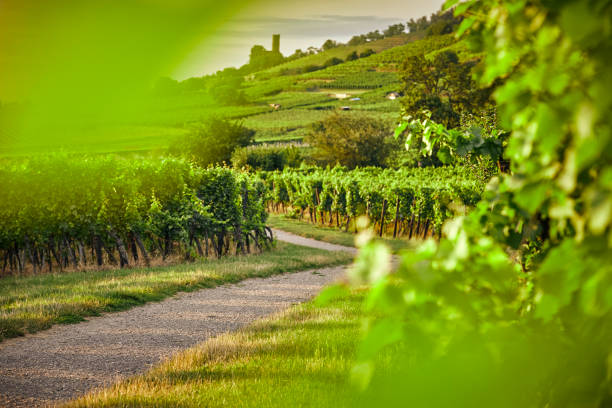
[
  {"x": 382, "y": 217},
  {"x": 397, "y": 208}
]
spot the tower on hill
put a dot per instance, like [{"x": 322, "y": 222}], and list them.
[{"x": 275, "y": 42}]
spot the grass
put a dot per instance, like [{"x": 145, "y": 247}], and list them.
[
  {"x": 299, "y": 358},
  {"x": 330, "y": 234},
  {"x": 34, "y": 303}
]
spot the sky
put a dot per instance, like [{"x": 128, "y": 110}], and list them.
[
  {"x": 91, "y": 46},
  {"x": 300, "y": 24},
  {"x": 73, "y": 65}
]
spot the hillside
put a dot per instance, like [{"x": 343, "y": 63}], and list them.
[
  {"x": 304, "y": 98},
  {"x": 308, "y": 97}
]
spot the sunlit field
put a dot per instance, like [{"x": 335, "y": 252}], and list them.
[{"x": 452, "y": 159}]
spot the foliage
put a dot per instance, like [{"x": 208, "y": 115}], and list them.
[
  {"x": 332, "y": 61},
  {"x": 442, "y": 22},
  {"x": 363, "y": 80},
  {"x": 53, "y": 210},
  {"x": 213, "y": 142},
  {"x": 394, "y": 29},
  {"x": 442, "y": 86},
  {"x": 225, "y": 86},
  {"x": 366, "y": 53},
  {"x": 420, "y": 199},
  {"x": 352, "y": 56},
  {"x": 513, "y": 307},
  {"x": 450, "y": 144},
  {"x": 349, "y": 141},
  {"x": 267, "y": 157},
  {"x": 329, "y": 44}
]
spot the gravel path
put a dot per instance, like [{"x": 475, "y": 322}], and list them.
[
  {"x": 68, "y": 360},
  {"x": 308, "y": 242}
]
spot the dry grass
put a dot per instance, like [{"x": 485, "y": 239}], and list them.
[
  {"x": 301, "y": 357},
  {"x": 33, "y": 303}
]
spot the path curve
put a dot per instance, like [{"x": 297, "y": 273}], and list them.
[
  {"x": 69, "y": 360},
  {"x": 309, "y": 242}
]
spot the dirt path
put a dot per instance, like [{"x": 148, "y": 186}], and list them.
[
  {"x": 65, "y": 361},
  {"x": 308, "y": 242}
]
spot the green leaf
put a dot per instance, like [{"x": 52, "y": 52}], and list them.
[{"x": 400, "y": 129}]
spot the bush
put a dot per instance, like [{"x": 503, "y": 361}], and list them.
[
  {"x": 367, "y": 53},
  {"x": 213, "y": 142},
  {"x": 352, "y": 56},
  {"x": 333, "y": 61},
  {"x": 311, "y": 68},
  {"x": 350, "y": 141},
  {"x": 267, "y": 157}
]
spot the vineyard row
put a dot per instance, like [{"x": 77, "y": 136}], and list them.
[
  {"x": 408, "y": 202},
  {"x": 59, "y": 212}
]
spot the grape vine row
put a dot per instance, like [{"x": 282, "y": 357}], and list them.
[
  {"x": 60, "y": 211},
  {"x": 410, "y": 202}
]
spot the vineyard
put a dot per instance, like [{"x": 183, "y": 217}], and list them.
[
  {"x": 60, "y": 212},
  {"x": 407, "y": 202},
  {"x": 363, "y": 80}
]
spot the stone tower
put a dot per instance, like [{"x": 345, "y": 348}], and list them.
[{"x": 275, "y": 42}]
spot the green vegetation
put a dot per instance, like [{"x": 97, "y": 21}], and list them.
[
  {"x": 407, "y": 202},
  {"x": 512, "y": 307},
  {"x": 330, "y": 234},
  {"x": 508, "y": 172},
  {"x": 66, "y": 210},
  {"x": 213, "y": 143},
  {"x": 175, "y": 109},
  {"x": 443, "y": 87},
  {"x": 301, "y": 357},
  {"x": 267, "y": 157},
  {"x": 350, "y": 141},
  {"x": 32, "y": 303}
]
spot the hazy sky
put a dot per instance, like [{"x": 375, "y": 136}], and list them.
[
  {"x": 300, "y": 24},
  {"x": 48, "y": 48}
]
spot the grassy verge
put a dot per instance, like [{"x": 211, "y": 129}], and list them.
[
  {"x": 33, "y": 303},
  {"x": 329, "y": 234},
  {"x": 301, "y": 357}
]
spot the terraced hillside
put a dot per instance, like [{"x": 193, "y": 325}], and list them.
[{"x": 358, "y": 86}]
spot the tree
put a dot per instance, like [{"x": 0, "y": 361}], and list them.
[
  {"x": 374, "y": 35},
  {"x": 442, "y": 86},
  {"x": 358, "y": 40},
  {"x": 367, "y": 53},
  {"x": 213, "y": 143},
  {"x": 350, "y": 141},
  {"x": 395, "y": 29},
  {"x": 329, "y": 44},
  {"x": 225, "y": 86},
  {"x": 332, "y": 61},
  {"x": 352, "y": 56}
]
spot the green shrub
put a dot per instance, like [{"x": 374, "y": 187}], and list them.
[
  {"x": 212, "y": 143},
  {"x": 367, "y": 53},
  {"x": 350, "y": 141},
  {"x": 332, "y": 61},
  {"x": 311, "y": 68},
  {"x": 267, "y": 157}
]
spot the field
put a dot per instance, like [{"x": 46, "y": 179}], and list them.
[
  {"x": 480, "y": 235},
  {"x": 152, "y": 124}
]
